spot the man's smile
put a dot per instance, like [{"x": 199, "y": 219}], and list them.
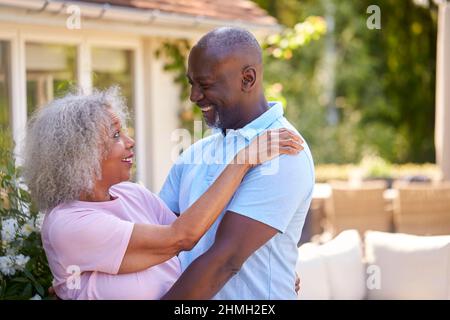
[
  {"x": 206, "y": 108},
  {"x": 210, "y": 114}
]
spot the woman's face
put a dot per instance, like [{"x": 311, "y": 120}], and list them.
[{"x": 116, "y": 167}]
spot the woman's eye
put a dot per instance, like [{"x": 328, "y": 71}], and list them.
[{"x": 116, "y": 135}]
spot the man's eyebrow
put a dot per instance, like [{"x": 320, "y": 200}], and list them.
[{"x": 200, "y": 78}]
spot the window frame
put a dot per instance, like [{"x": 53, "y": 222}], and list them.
[{"x": 84, "y": 41}]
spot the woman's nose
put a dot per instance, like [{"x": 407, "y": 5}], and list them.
[{"x": 130, "y": 143}]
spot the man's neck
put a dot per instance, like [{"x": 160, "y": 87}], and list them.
[{"x": 252, "y": 113}]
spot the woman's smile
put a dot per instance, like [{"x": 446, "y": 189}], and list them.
[{"x": 128, "y": 160}]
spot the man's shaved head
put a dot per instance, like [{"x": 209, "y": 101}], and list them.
[
  {"x": 226, "y": 40},
  {"x": 226, "y": 76}
]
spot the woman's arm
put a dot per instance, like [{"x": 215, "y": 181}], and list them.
[{"x": 153, "y": 244}]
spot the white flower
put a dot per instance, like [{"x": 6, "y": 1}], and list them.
[
  {"x": 27, "y": 229},
  {"x": 9, "y": 229},
  {"x": 39, "y": 221},
  {"x": 25, "y": 208},
  {"x": 7, "y": 265},
  {"x": 9, "y": 249},
  {"x": 36, "y": 297},
  {"x": 21, "y": 261}
]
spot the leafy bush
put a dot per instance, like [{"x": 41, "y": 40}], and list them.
[
  {"x": 24, "y": 271},
  {"x": 374, "y": 168},
  {"x": 356, "y": 91}
]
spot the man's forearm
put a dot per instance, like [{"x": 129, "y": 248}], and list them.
[{"x": 202, "y": 279}]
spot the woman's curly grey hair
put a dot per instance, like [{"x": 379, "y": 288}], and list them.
[{"x": 65, "y": 144}]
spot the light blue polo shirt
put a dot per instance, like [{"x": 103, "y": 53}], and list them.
[{"x": 277, "y": 193}]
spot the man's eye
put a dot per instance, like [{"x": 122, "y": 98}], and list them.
[{"x": 116, "y": 135}]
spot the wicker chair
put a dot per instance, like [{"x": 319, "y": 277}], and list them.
[
  {"x": 359, "y": 207},
  {"x": 422, "y": 209}
]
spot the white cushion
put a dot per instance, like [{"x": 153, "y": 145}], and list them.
[
  {"x": 410, "y": 267},
  {"x": 345, "y": 268},
  {"x": 313, "y": 274}
]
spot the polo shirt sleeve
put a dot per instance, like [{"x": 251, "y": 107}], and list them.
[
  {"x": 155, "y": 207},
  {"x": 92, "y": 240},
  {"x": 170, "y": 191},
  {"x": 271, "y": 193}
]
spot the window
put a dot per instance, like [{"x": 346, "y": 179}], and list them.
[
  {"x": 5, "y": 101},
  {"x": 115, "y": 67},
  {"x": 51, "y": 71}
]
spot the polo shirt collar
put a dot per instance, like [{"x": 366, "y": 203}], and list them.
[{"x": 261, "y": 123}]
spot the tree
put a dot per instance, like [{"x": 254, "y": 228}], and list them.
[{"x": 359, "y": 90}]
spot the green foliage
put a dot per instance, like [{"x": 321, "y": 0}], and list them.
[
  {"x": 279, "y": 46},
  {"x": 356, "y": 91},
  {"x": 350, "y": 90},
  {"x": 283, "y": 45},
  {"x": 24, "y": 271},
  {"x": 6, "y": 144},
  {"x": 174, "y": 54},
  {"x": 374, "y": 168}
]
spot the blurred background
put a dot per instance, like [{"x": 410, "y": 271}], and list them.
[{"x": 367, "y": 83}]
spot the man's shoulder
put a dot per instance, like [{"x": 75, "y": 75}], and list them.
[
  {"x": 287, "y": 170},
  {"x": 282, "y": 122},
  {"x": 304, "y": 157}
]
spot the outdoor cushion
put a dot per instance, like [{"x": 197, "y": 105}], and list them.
[
  {"x": 313, "y": 274},
  {"x": 345, "y": 268},
  {"x": 333, "y": 270},
  {"x": 411, "y": 267}
]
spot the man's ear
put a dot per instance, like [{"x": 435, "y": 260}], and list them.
[{"x": 248, "y": 78}]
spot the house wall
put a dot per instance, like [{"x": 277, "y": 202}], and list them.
[
  {"x": 156, "y": 97},
  {"x": 160, "y": 119}
]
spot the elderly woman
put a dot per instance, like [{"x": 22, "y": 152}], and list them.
[{"x": 105, "y": 237}]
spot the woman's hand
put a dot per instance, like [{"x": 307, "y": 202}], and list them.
[{"x": 269, "y": 145}]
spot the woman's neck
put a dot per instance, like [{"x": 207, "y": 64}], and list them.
[{"x": 97, "y": 195}]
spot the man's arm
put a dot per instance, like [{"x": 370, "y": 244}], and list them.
[
  {"x": 237, "y": 238},
  {"x": 264, "y": 212}
]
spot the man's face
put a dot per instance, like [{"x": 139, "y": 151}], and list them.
[{"x": 215, "y": 87}]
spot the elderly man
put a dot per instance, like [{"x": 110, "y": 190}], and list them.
[{"x": 251, "y": 251}]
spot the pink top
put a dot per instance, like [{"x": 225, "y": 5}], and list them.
[{"x": 91, "y": 238}]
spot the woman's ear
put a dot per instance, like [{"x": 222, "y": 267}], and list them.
[{"x": 248, "y": 78}]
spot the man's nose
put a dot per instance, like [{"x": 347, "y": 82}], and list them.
[{"x": 196, "y": 94}]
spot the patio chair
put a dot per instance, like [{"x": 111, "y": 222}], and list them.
[
  {"x": 360, "y": 207},
  {"x": 422, "y": 209}
]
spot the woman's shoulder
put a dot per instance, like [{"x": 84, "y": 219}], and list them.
[
  {"x": 66, "y": 217},
  {"x": 131, "y": 189},
  {"x": 147, "y": 201},
  {"x": 136, "y": 192},
  {"x": 68, "y": 210}
]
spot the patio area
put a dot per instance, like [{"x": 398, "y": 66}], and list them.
[{"x": 413, "y": 208}]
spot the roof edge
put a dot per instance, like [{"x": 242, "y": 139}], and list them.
[{"x": 95, "y": 11}]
